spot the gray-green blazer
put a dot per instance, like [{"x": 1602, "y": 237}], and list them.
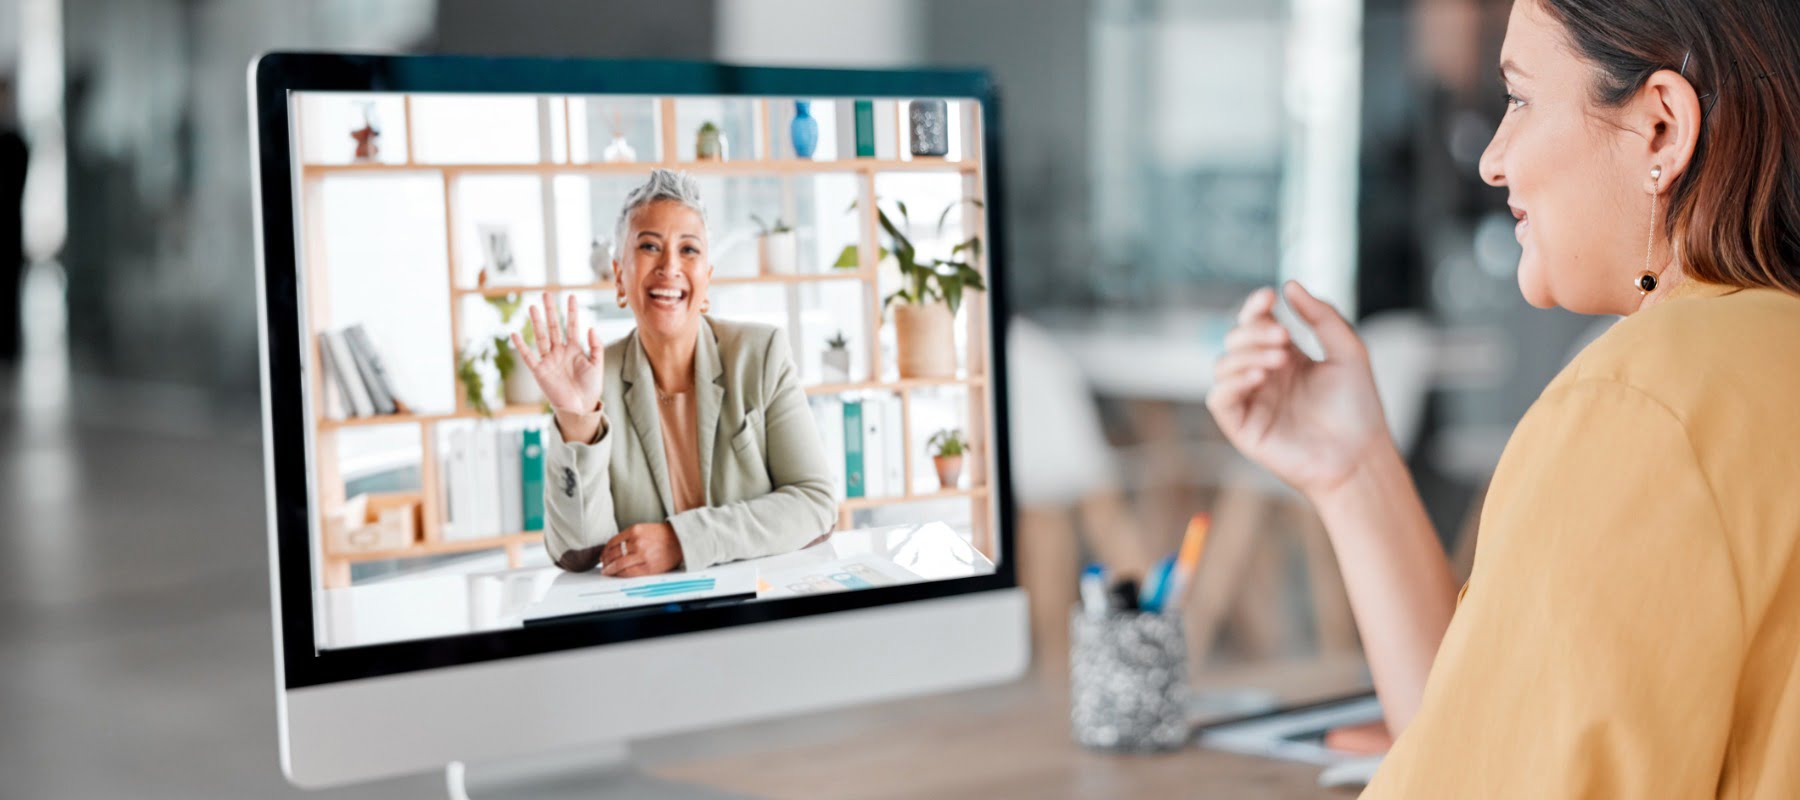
[{"x": 768, "y": 485}]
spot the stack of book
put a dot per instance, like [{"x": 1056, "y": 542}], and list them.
[
  {"x": 862, "y": 436},
  {"x": 493, "y": 479},
  {"x": 356, "y": 380}
]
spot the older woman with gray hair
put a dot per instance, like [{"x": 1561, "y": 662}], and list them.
[{"x": 689, "y": 441}]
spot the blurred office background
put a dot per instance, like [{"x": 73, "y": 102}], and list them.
[{"x": 1161, "y": 159}]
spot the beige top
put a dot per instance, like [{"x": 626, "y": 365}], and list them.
[
  {"x": 763, "y": 485},
  {"x": 681, "y": 446}
]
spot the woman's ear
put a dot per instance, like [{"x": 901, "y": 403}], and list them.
[{"x": 1669, "y": 117}]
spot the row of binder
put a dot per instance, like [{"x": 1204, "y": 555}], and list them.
[{"x": 493, "y": 479}]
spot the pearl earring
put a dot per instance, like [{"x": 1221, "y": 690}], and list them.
[{"x": 1646, "y": 280}]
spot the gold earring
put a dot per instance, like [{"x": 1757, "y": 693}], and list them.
[
  {"x": 621, "y": 299},
  {"x": 706, "y": 305},
  {"x": 1646, "y": 280}
]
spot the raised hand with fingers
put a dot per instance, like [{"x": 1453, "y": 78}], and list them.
[
  {"x": 572, "y": 378},
  {"x": 1309, "y": 422}
]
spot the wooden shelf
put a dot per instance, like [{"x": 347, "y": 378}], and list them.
[
  {"x": 502, "y": 291},
  {"x": 860, "y": 503},
  {"x": 788, "y": 172},
  {"x": 800, "y": 277},
  {"x": 905, "y": 385},
  {"x": 413, "y": 419},
  {"x": 422, "y": 549},
  {"x": 751, "y": 167},
  {"x": 607, "y": 286}
]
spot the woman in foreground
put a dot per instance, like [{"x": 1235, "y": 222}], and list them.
[{"x": 1631, "y": 627}]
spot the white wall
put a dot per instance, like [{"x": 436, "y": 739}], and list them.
[{"x": 868, "y": 33}]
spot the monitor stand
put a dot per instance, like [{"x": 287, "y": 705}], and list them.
[{"x": 599, "y": 773}]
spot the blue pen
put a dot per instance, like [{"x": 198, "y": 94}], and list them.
[{"x": 1156, "y": 586}]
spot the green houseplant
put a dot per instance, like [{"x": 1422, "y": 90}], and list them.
[
  {"x": 931, "y": 292},
  {"x": 947, "y": 448},
  {"x": 518, "y": 387}
]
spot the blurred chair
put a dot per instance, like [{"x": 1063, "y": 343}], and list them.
[{"x": 1066, "y": 484}]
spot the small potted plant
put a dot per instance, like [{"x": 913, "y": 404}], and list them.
[
  {"x": 710, "y": 143},
  {"x": 947, "y": 447},
  {"x": 836, "y": 359},
  {"x": 472, "y": 378},
  {"x": 931, "y": 291},
  {"x": 518, "y": 387},
  {"x": 778, "y": 246}
]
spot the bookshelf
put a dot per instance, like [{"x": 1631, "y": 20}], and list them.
[{"x": 556, "y": 162}]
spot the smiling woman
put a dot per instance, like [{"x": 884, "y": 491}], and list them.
[
  {"x": 1631, "y": 626},
  {"x": 719, "y": 459},
  {"x": 1664, "y": 151}
]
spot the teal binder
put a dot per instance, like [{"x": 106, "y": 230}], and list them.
[
  {"x": 865, "y": 129},
  {"x": 531, "y": 463},
  {"x": 853, "y": 449}
]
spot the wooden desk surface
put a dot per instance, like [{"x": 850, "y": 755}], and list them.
[{"x": 1000, "y": 742}]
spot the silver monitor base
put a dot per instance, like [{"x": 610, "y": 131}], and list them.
[{"x": 600, "y": 774}]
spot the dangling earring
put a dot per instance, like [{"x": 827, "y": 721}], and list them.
[
  {"x": 706, "y": 305},
  {"x": 1646, "y": 280},
  {"x": 621, "y": 299}
]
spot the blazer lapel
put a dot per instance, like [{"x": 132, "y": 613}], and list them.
[
  {"x": 640, "y": 405},
  {"x": 709, "y": 391}
]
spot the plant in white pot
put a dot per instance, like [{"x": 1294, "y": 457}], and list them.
[
  {"x": 930, "y": 294},
  {"x": 472, "y": 378},
  {"x": 947, "y": 448},
  {"x": 518, "y": 387},
  {"x": 778, "y": 245},
  {"x": 836, "y": 359}
]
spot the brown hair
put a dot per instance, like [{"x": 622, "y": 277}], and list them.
[{"x": 1734, "y": 215}]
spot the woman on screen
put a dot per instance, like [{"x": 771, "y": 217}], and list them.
[
  {"x": 1632, "y": 624},
  {"x": 688, "y": 442}
]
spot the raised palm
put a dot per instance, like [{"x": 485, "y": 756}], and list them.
[
  {"x": 571, "y": 378},
  {"x": 1309, "y": 422}
]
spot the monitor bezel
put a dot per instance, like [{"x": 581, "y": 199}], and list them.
[{"x": 277, "y": 75}]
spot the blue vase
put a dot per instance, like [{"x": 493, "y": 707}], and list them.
[{"x": 805, "y": 130}]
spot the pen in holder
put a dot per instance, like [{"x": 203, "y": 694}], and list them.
[{"x": 1128, "y": 681}]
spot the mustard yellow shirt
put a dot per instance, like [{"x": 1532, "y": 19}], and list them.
[{"x": 1631, "y": 628}]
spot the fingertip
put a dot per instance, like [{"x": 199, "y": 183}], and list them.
[{"x": 1257, "y": 304}]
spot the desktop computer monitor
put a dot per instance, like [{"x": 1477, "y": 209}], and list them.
[{"x": 607, "y": 399}]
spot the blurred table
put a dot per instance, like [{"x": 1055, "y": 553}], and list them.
[{"x": 990, "y": 744}]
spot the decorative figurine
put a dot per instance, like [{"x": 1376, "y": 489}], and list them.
[{"x": 368, "y": 145}]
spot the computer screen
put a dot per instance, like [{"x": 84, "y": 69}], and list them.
[{"x": 582, "y": 361}]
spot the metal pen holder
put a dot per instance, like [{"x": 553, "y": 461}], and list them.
[{"x": 1128, "y": 687}]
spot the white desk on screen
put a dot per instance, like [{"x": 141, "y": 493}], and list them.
[{"x": 448, "y": 605}]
